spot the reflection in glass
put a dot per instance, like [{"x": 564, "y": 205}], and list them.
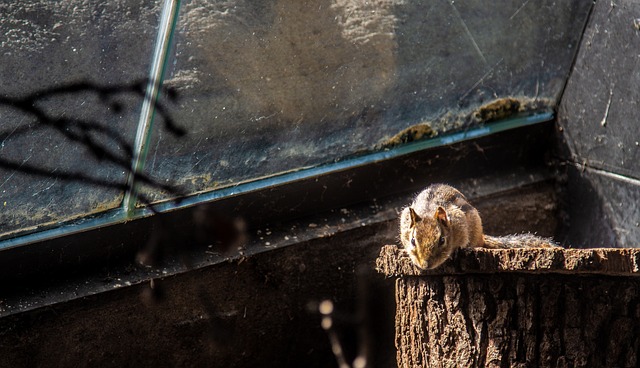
[
  {"x": 265, "y": 88},
  {"x": 278, "y": 86}
]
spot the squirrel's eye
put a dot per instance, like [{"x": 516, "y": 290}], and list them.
[
  {"x": 441, "y": 240},
  {"x": 413, "y": 241}
]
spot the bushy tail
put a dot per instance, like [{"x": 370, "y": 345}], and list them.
[{"x": 518, "y": 241}]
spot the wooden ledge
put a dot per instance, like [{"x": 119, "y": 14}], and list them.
[{"x": 601, "y": 261}]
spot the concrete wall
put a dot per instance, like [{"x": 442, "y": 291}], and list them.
[{"x": 599, "y": 124}]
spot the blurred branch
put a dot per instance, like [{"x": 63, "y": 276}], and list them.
[
  {"x": 326, "y": 309},
  {"x": 365, "y": 327}
]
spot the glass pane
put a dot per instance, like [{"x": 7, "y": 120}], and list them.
[
  {"x": 70, "y": 103},
  {"x": 264, "y": 88},
  {"x": 276, "y": 86}
]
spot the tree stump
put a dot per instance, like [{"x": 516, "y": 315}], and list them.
[{"x": 518, "y": 308}]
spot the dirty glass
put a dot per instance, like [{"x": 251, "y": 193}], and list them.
[
  {"x": 69, "y": 105},
  {"x": 260, "y": 88},
  {"x": 276, "y": 86}
]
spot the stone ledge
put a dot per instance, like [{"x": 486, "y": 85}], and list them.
[{"x": 601, "y": 261}]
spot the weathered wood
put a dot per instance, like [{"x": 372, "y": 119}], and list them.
[
  {"x": 605, "y": 261},
  {"x": 518, "y": 308}
]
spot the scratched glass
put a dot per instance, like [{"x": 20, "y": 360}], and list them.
[
  {"x": 69, "y": 106},
  {"x": 272, "y": 87},
  {"x": 265, "y": 89}
]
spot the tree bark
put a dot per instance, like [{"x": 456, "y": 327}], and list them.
[{"x": 518, "y": 308}]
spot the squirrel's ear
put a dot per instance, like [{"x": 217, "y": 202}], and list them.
[
  {"x": 414, "y": 217},
  {"x": 441, "y": 216}
]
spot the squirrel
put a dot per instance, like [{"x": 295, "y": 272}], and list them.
[{"x": 441, "y": 220}]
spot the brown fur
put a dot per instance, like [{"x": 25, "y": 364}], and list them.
[{"x": 440, "y": 220}]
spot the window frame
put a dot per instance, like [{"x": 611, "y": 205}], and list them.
[{"x": 104, "y": 250}]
